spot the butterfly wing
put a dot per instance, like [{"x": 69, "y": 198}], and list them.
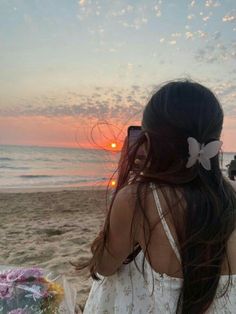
[
  {"x": 205, "y": 162},
  {"x": 209, "y": 151},
  {"x": 212, "y": 149},
  {"x": 194, "y": 148}
]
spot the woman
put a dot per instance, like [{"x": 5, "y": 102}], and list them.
[{"x": 168, "y": 242}]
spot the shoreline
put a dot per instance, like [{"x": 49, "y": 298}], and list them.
[
  {"x": 51, "y": 189},
  {"x": 72, "y": 188}
]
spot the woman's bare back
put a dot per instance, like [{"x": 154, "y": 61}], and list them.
[{"x": 162, "y": 257}]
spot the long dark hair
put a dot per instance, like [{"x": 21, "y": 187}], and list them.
[{"x": 178, "y": 110}]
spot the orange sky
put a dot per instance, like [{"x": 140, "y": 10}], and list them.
[
  {"x": 64, "y": 131},
  {"x": 58, "y": 132},
  {"x": 73, "y": 59}
]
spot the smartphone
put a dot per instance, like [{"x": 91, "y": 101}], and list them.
[{"x": 133, "y": 134}]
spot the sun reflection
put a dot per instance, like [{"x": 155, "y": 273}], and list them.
[{"x": 113, "y": 183}]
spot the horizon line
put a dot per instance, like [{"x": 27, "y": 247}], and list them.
[
  {"x": 64, "y": 147},
  {"x": 74, "y": 147}
]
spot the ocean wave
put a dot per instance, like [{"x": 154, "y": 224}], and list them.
[
  {"x": 42, "y": 159},
  {"x": 61, "y": 180},
  {"x": 93, "y": 180},
  {"x": 31, "y": 176},
  {"x": 80, "y": 179},
  {"x": 59, "y": 183},
  {"x": 5, "y": 158},
  {"x": 11, "y": 167},
  {"x": 82, "y": 160},
  {"x": 95, "y": 160}
]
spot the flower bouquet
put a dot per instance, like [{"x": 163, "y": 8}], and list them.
[{"x": 33, "y": 291}]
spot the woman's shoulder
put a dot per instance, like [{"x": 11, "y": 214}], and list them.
[
  {"x": 130, "y": 192},
  {"x": 129, "y": 197},
  {"x": 124, "y": 200}
]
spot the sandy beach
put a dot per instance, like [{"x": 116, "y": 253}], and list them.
[{"x": 49, "y": 229}]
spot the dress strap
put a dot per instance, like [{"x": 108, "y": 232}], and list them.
[{"x": 164, "y": 223}]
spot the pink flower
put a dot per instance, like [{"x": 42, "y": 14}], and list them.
[
  {"x": 22, "y": 274},
  {"x": 14, "y": 274},
  {"x": 17, "y": 311},
  {"x": 6, "y": 290},
  {"x": 32, "y": 272},
  {"x": 3, "y": 277}
]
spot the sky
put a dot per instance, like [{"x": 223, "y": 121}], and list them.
[{"x": 67, "y": 68}]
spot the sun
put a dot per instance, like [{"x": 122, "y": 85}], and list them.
[{"x": 113, "y": 145}]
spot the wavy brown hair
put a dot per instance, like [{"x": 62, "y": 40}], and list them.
[{"x": 178, "y": 110}]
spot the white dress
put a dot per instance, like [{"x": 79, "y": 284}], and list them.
[{"x": 127, "y": 291}]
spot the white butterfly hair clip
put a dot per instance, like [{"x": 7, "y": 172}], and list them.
[{"x": 202, "y": 152}]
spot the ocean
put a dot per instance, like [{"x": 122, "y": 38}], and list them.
[{"x": 45, "y": 167}]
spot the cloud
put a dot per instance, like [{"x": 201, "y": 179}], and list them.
[
  {"x": 190, "y": 16},
  {"x": 189, "y": 35},
  {"x": 118, "y": 13},
  {"x": 230, "y": 17},
  {"x": 105, "y": 103},
  {"x": 206, "y": 18},
  {"x": 136, "y": 24},
  {"x": 213, "y": 52},
  {"x": 135, "y": 88},
  {"x": 82, "y": 2},
  {"x": 212, "y": 4},
  {"x": 102, "y": 103},
  {"x": 132, "y": 16},
  {"x": 124, "y": 10},
  {"x": 201, "y": 34},
  {"x": 227, "y": 95},
  {"x": 157, "y": 10},
  {"x": 175, "y": 35}
]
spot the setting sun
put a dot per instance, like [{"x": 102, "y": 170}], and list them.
[{"x": 113, "y": 145}]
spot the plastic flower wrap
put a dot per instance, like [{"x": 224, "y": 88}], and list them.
[{"x": 35, "y": 291}]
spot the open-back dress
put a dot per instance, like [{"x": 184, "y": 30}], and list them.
[{"x": 128, "y": 291}]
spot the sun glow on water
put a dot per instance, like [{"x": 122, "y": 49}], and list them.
[{"x": 113, "y": 183}]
